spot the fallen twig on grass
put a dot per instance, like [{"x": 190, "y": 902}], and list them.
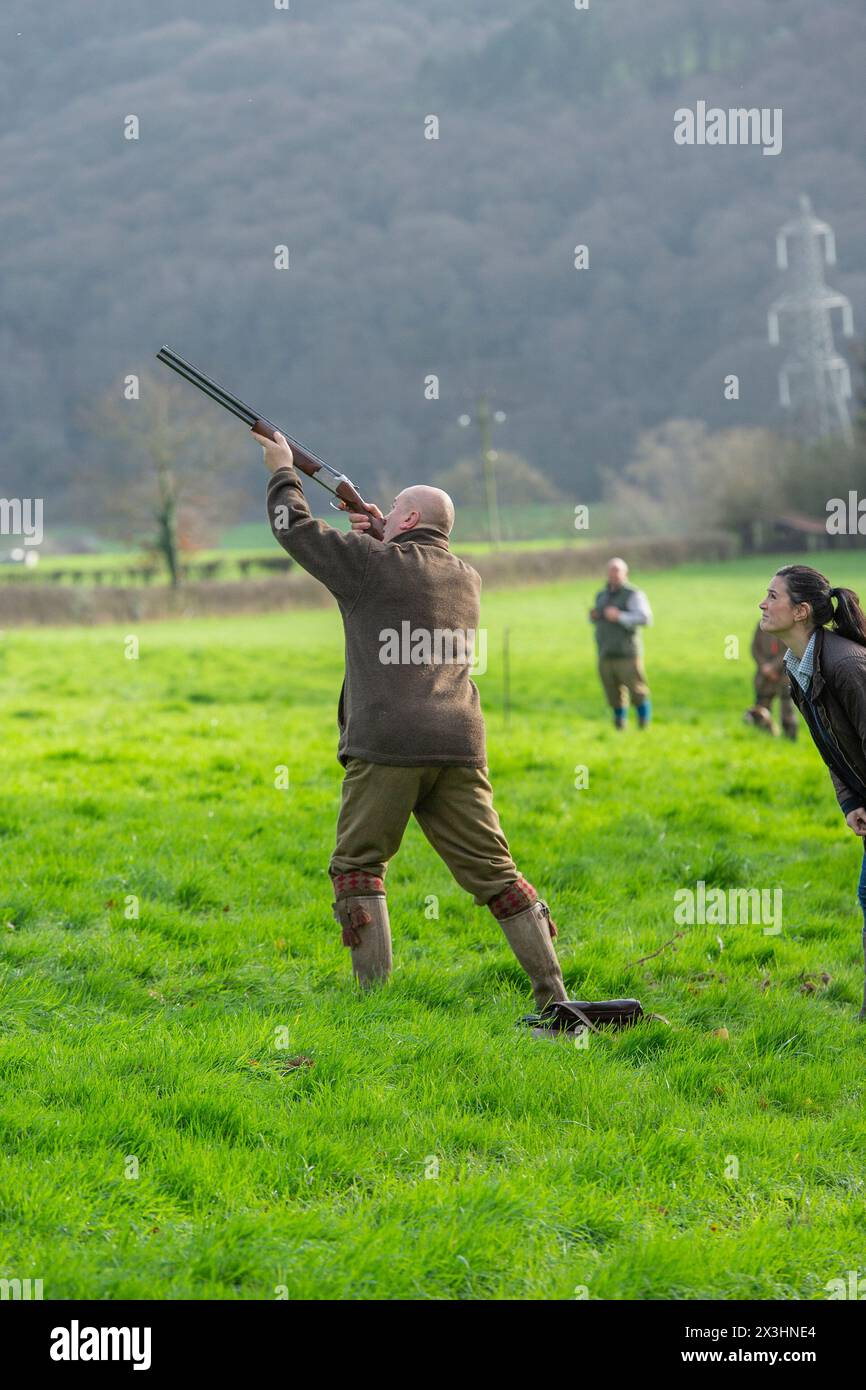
[{"x": 674, "y": 938}]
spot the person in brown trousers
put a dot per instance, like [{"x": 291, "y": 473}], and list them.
[
  {"x": 771, "y": 680},
  {"x": 827, "y": 671},
  {"x": 619, "y": 612},
  {"x": 412, "y": 738}
]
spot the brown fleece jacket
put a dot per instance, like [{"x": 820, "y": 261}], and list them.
[{"x": 404, "y": 712}]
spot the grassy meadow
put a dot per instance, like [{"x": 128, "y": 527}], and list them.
[{"x": 195, "y": 1102}]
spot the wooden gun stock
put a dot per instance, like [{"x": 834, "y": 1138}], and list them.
[{"x": 350, "y": 498}]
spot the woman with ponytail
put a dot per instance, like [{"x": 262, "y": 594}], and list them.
[{"x": 825, "y": 632}]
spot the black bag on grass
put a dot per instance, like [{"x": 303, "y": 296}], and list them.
[{"x": 573, "y": 1015}]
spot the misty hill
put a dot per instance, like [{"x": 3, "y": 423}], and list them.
[{"x": 410, "y": 257}]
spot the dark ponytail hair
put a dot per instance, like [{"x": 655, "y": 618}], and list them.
[{"x": 806, "y": 585}]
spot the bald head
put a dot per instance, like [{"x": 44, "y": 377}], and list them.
[
  {"x": 617, "y": 573},
  {"x": 419, "y": 506}
]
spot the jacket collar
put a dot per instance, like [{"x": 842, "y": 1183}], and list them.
[
  {"x": 818, "y": 681},
  {"x": 422, "y": 535}
]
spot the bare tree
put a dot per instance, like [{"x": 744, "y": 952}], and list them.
[
  {"x": 518, "y": 480},
  {"x": 682, "y": 479},
  {"x": 167, "y": 487}
]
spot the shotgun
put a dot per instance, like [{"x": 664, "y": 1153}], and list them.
[{"x": 339, "y": 485}]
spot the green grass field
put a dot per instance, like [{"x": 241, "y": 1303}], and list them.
[{"x": 414, "y": 1143}]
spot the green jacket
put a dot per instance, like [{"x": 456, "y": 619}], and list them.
[{"x": 621, "y": 639}]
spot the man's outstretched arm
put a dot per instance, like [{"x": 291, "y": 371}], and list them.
[{"x": 338, "y": 559}]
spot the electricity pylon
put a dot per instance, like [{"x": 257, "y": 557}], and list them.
[{"x": 823, "y": 377}]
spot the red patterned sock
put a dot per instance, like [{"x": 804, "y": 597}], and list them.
[
  {"x": 357, "y": 883},
  {"x": 517, "y": 897}
]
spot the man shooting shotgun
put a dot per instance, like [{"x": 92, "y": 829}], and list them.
[{"x": 412, "y": 738}]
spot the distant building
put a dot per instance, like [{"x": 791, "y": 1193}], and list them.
[{"x": 793, "y": 531}]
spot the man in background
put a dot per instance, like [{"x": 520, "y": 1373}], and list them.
[
  {"x": 619, "y": 612},
  {"x": 771, "y": 679}
]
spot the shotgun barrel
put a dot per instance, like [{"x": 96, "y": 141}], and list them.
[{"x": 336, "y": 483}]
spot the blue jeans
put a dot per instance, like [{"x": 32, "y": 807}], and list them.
[{"x": 861, "y": 898}]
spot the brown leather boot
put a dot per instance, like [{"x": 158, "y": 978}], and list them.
[
  {"x": 529, "y": 935},
  {"x": 367, "y": 932}
]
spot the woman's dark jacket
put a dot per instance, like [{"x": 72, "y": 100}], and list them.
[{"x": 835, "y": 710}]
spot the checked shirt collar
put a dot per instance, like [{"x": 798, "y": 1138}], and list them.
[{"x": 802, "y": 670}]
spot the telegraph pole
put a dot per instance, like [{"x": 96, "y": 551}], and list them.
[
  {"x": 823, "y": 376},
  {"x": 488, "y": 460}
]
